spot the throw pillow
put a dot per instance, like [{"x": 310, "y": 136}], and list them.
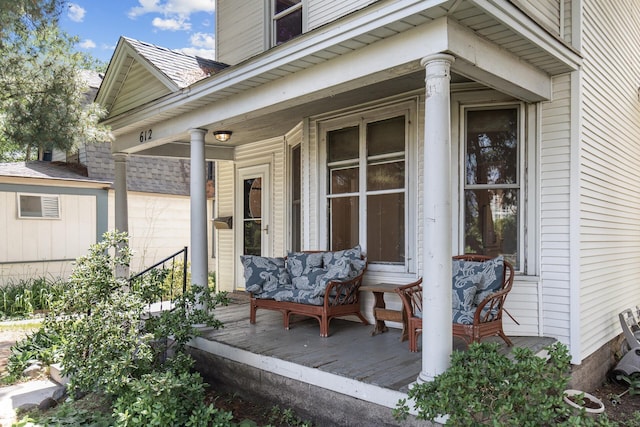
[
  {"x": 329, "y": 258},
  {"x": 492, "y": 278},
  {"x": 263, "y": 273},
  {"x": 300, "y": 263},
  {"x": 464, "y": 291}
]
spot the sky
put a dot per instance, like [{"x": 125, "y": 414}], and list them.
[{"x": 184, "y": 25}]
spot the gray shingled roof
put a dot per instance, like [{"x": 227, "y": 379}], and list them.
[
  {"x": 179, "y": 67},
  {"x": 46, "y": 170}
]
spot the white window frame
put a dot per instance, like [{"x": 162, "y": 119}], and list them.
[
  {"x": 527, "y": 224},
  {"x": 360, "y": 118},
  {"x": 273, "y": 17},
  {"x": 46, "y": 212}
]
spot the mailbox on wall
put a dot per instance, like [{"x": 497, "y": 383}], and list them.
[{"x": 223, "y": 222}]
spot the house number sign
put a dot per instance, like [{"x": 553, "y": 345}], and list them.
[{"x": 145, "y": 135}]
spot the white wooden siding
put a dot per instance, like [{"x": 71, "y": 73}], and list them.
[
  {"x": 46, "y": 239},
  {"x": 225, "y": 258},
  {"x": 139, "y": 87},
  {"x": 324, "y": 11},
  {"x": 609, "y": 203},
  {"x": 240, "y": 30},
  {"x": 555, "y": 175},
  {"x": 545, "y": 12}
]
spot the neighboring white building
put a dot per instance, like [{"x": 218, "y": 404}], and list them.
[{"x": 419, "y": 129}]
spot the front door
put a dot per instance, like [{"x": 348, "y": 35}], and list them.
[{"x": 252, "y": 207}]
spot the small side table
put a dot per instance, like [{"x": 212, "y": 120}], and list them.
[{"x": 382, "y": 313}]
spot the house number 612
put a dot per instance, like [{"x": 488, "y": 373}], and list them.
[{"x": 145, "y": 135}]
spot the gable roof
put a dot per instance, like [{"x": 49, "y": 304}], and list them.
[
  {"x": 161, "y": 70},
  {"x": 46, "y": 170}
]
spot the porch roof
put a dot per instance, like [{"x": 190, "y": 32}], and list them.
[{"x": 268, "y": 94}]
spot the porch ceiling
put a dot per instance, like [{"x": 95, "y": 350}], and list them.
[{"x": 361, "y": 34}]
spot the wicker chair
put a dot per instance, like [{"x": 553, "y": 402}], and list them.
[
  {"x": 411, "y": 296},
  {"x": 487, "y": 320}
]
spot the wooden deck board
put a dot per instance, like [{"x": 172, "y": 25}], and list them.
[{"x": 349, "y": 351}]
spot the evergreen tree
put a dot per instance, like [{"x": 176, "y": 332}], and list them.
[{"x": 42, "y": 95}]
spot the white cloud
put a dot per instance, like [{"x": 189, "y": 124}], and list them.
[
  {"x": 203, "y": 53},
  {"x": 76, "y": 12},
  {"x": 172, "y": 8},
  {"x": 171, "y": 24},
  {"x": 203, "y": 40},
  {"x": 87, "y": 44}
]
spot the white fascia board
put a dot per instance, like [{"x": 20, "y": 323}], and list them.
[
  {"x": 483, "y": 61},
  {"x": 368, "y": 65},
  {"x": 371, "y": 18},
  {"x": 183, "y": 150},
  {"x": 514, "y": 18}
]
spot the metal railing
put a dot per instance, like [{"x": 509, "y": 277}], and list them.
[{"x": 163, "y": 274}]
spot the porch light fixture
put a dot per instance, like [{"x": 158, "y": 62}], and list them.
[{"x": 222, "y": 135}]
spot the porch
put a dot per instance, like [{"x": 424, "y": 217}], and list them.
[{"x": 349, "y": 378}]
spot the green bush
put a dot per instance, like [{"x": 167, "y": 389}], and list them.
[
  {"x": 483, "y": 387},
  {"x": 24, "y": 297},
  {"x": 41, "y": 345},
  {"x": 166, "y": 399}
]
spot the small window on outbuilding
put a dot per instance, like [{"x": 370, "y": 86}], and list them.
[{"x": 38, "y": 206}]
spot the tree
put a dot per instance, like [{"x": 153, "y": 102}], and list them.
[{"x": 42, "y": 95}]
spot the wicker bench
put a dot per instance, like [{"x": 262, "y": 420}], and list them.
[{"x": 338, "y": 298}]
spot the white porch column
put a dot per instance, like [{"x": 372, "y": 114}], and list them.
[
  {"x": 436, "y": 332},
  {"x": 199, "y": 254},
  {"x": 121, "y": 205}
]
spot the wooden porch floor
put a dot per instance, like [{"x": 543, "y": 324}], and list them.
[{"x": 350, "y": 351}]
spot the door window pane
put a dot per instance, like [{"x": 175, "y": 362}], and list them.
[
  {"x": 385, "y": 228},
  {"x": 252, "y": 238},
  {"x": 252, "y": 224},
  {"x": 296, "y": 197}
]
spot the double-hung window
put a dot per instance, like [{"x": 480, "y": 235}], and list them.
[
  {"x": 492, "y": 183},
  {"x": 287, "y": 20},
  {"x": 366, "y": 188}
]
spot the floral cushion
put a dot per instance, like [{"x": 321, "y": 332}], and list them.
[
  {"x": 302, "y": 296},
  {"x": 301, "y": 263},
  {"x": 464, "y": 291},
  {"x": 491, "y": 272},
  {"x": 330, "y": 258},
  {"x": 264, "y": 273},
  {"x": 465, "y": 317},
  {"x": 310, "y": 280}
]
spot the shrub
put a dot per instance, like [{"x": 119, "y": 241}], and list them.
[
  {"x": 485, "y": 387},
  {"x": 166, "y": 398}
]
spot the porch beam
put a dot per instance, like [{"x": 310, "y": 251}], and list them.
[
  {"x": 183, "y": 150},
  {"x": 437, "y": 337},
  {"x": 199, "y": 253},
  {"x": 486, "y": 63}
]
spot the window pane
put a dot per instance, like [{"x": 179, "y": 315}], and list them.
[
  {"x": 385, "y": 228},
  {"x": 385, "y": 176},
  {"x": 344, "y": 219},
  {"x": 289, "y": 26},
  {"x": 285, "y": 4},
  {"x": 385, "y": 136},
  {"x": 491, "y": 223},
  {"x": 492, "y": 147},
  {"x": 344, "y": 181},
  {"x": 30, "y": 206},
  {"x": 342, "y": 144}
]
